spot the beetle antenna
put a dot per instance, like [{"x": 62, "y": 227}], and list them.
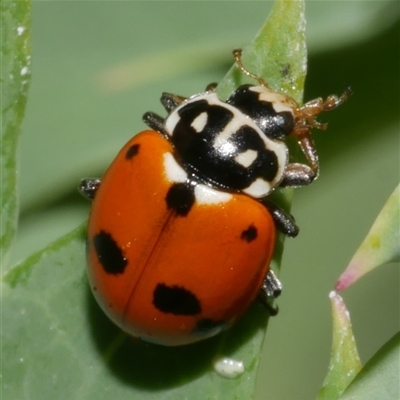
[{"x": 237, "y": 54}]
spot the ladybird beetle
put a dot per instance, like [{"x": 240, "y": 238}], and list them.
[{"x": 181, "y": 232}]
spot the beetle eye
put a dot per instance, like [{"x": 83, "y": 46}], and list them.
[{"x": 279, "y": 126}]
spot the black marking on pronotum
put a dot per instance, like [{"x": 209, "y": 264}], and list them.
[
  {"x": 175, "y": 300},
  {"x": 180, "y": 198},
  {"x": 132, "y": 151},
  {"x": 275, "y": 125},
  {"x": 110, "y": 255},
  {"x": 249, "y": 234},
  {"x": 216, "y": 164}
]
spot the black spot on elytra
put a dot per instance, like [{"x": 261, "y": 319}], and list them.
[
  {"x": 180, "y": 198},
  {"x": 110, "y": 255},
  {"x": 175, "y": 300},
  {"x": 209, "y": 327},
  {"x": 249, "y": 234},
  {"x": 132, "y": 151}
]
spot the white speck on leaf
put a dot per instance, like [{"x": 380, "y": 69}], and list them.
[{"x": 228, "y": 367}]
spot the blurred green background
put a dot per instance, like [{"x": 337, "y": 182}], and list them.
[{"x": 98, "y": 66}]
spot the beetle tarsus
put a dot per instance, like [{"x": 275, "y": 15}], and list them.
[{"x": 88, "y": 187}]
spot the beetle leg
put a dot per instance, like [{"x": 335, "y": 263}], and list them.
[
  {"x": 211, "y": 87},
  {"x": 297, "y": 175},
  {"x": 171, "y": 101},
  {"x": 88, "y": 187},
  {"x": 270, "y": 289},
  {"x": 154, "y": 121},
  {"x": 272, "y": 286},
  {"x": 314, "y": 107},
  {"x": 284, "y": 221}
]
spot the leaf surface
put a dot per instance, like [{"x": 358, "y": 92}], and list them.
[{"x": 15, "y": 78}]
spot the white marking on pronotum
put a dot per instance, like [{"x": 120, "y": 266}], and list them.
[
  {"x": 246, "y": 158},
  {"x": 259, "y": 188},
  {"x": 173, "y": 118},
  {"x": 228, "y": 367},
  {"x": 207, "y": 195},
  {"x": 200, "y": 122},
  {"x": 278, "y": 101},
  {"x": 171, "y": 122},
  {"x": 173, "y": 171}
]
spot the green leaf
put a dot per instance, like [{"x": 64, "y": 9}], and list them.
[
  {"x": 345, "y": 362},
  {"x": 278, "y": 53},
  {"x": 58, "y": 343},
  {"x": 379, "y": 379},
  {"x": 15, "y": 77},
  {"x": 381, "y": 246}
]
